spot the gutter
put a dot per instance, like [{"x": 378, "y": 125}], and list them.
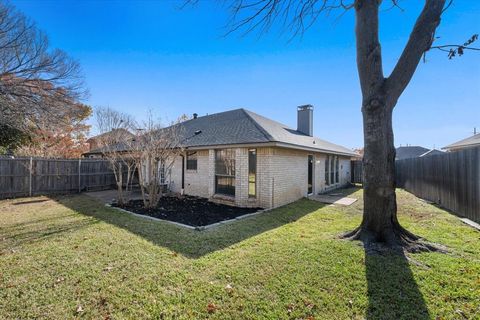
[{"x": 261, "y": 145}]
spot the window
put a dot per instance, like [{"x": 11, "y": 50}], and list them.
[
  {"x": 252, "y": 173},
  {"x": 191, "y": 161},
  {"x": 336, "y": 170},
  {"x": 225, "y": 172},
  {"x": 327, "y": 167},
  {"x": 161, "y": 169},
  {"x": 332, "y": 170}
]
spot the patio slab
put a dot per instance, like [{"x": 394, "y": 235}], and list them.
[{"x": 333, "y": 199}]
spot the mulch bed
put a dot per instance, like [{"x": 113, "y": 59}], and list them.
[{"x": 192, "y": 211}]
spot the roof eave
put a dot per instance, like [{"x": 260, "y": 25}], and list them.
[
  {"x": 299, "y": 147},
  {"x": 461, "y": 146}
]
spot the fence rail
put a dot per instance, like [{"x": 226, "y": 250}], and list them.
[
  {"x": 30, "y": 176},
  {"x": 452, "y": 180}
]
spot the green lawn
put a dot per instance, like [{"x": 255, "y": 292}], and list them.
[{"x": 72, "y": 257}]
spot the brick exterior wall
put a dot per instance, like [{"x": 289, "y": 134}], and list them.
[
  {"x": 196, "y": 181},
  {"x": 174, "y": 179},
  {"x": 289, "y": 171},
  {"x": 281, "y": 176},
  {"x": 319, "y": 176}
]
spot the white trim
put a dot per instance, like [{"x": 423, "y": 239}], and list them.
[
  {"x": 272, "y": 144},
  {"x": 230, "y": 146},
  {"x": 298, "y": 147},
  {"x": 259, "y": 145}
]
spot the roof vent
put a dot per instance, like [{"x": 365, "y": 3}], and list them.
[
  {"x": 195, "y": 115},
  {"x": 305, "y": 119},
  {"x": 198, "y": 132}
]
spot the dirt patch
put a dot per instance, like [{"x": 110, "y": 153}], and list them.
[{"x": 192, "y": 211}]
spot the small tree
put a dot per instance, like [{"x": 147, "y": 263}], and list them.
[
  {"x": 155, "y": 152},
  {"x": 114, "y": 143}
]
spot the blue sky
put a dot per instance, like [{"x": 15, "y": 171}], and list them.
[{"x": 140, "y": 56}]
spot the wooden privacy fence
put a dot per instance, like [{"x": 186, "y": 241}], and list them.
[
  {"x": 452, "y": 180},
  {"x": 357, "y": 171},
  {"x": 30, "y": 176}
]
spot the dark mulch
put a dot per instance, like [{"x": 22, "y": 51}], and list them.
[{"x": 192, "y": 211}]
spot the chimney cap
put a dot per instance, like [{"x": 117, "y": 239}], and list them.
[
  {"x": 195, "y": 115},
  {"x": 305, "y": 107}
]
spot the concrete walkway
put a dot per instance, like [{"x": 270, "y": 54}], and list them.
[{"x": 330, "y": 199}]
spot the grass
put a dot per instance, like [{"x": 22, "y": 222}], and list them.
[{"x": 71, "y": 257}]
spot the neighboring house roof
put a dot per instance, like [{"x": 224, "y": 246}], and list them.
[
  {"x": 432, "y": 152},
  {"x": 119, "y": 147},
  {"x": 469, "y": 142},
  {"x": 410, "y": 152},
  {"x": 241, "y": 126},
  {"x": 114, "y": 131}
]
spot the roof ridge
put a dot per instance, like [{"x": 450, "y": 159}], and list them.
[{"x": 257, "y": 125}]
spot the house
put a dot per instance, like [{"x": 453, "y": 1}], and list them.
[
  {"x": 248, "y": 160},
  {"x": 432, "y": 152},
  {"x": 470, "y": 142},
  {"x": 408, "y": 152},
  {"x": 95, "y": 141},
  {"x": 241, "y": 158}
]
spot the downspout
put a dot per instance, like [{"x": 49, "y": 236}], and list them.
[{"x": 273, "y": 192}]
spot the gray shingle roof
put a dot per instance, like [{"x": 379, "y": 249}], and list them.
[
  {"x": 229, "y": 127},
  {"x": 124, "y": 132},
  {"x": 465, "y": 143},
  {"x": 241, "y": 126},
  {"x": 409, "y": 152},
  {"x": 433, "y": 152},
  {"x": 281, "y": 133}
]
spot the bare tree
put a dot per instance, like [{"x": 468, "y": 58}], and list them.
[
  {"x": 34, "y": 79},
  {"x": 380, "y": 227},
  {"x": 115, "y": 144},
  {"x": 156, "y": 151}
]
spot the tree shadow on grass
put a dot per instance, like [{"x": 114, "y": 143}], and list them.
[
  {"x": 20, "y": 234},
  {"x": 191, "y": 243},
  {"x": 392, "y": 290}
]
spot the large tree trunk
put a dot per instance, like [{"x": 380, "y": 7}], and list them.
[
  {"x": 380, "y": 227},
  {"x": 380, "y": 205}
]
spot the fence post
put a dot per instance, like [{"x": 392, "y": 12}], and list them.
[
  {"x": 79, "y": 175},
  {"x": 30, "y": 177}
]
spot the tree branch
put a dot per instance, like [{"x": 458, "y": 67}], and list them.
[
  {"x": 458, "y": 49},
  {"x": 419, "y": 42},
  {"x": 369, "y": 56}
]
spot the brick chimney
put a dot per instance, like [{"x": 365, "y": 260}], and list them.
[{"x": 305, "y": 119}]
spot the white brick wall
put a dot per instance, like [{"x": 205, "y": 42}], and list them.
[
  {"x": 263, "y": 180},
  {"x": 174, "y": 180},
  {"x": 289, "y": 171},
  {"x": 196, "y": 181},
  {"x": 319, "y": 173},
  {"x": 281, "y": 176}
]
